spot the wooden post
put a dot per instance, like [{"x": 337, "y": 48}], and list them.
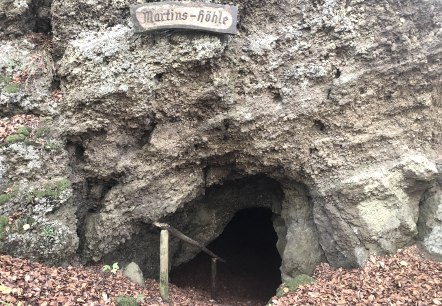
[
  {"x": 213, "y": 289},
  {"x": 164, "y": 265}
]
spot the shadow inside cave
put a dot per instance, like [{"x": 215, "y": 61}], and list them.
[{"x": 248, "y": 244}]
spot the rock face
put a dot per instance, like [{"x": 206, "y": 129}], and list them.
[
  {"x": 430, "y": 220},
  {"x": 327, "y": 112}
]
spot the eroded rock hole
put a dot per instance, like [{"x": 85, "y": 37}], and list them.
[
  {"x": 337, "y": 73},
  {"x": 248, "y": 244},
  {"x": 42, "y": 14}
]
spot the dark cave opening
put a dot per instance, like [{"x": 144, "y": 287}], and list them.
[{"x": 248, "y": 244}]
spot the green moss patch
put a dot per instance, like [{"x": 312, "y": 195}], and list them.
[
  {"x": 5, "y": 79},
  {"x": 41, "y": 132},
  {"x": 51, "y": 146},
  {"x": 293, "y": 284},
  {"x": 3, "y": 225},
  {"x": 11, "y": 88},
  {"x": 52, "y": 190},
  {"x": 14, "y": 138},
  {"x": 4, "y": 198},
  {"x": 22, "y": 131},
  {"x": 20, "y": 135},
  {"x": 7, "y": 196},
  {"x": 125, "y": 301}
]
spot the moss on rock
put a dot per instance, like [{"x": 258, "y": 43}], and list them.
[
  {"x": 11, "y": 88},
  {"x": 52, "y": 190},
  {"x": 23, "y": 131},
  {"x": 7, "y": 196},
  {"x": 14, "y": 138},
  {"x": 3, "y": 224},
  {"x": 41, "y": 132},
  {"x": 4, "y": 198}
]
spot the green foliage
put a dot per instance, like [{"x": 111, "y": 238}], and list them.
[
  {"x": 293, "y": 284},
  {"x": 5, "y": 79},
  {"x": 19, "y": 226},
  {"x": 47, "y": 231},
  {"x": 14, "y": 138},
  {"x": 11, "y": 88},
  {"x": 19, "y": 136},
  {"x": 51, "y": 146},
  {"x": 114, "y": 269},
  {"x": 7, "y": 196},
  {"x": 140, "y": 298},
  {"x": 3, "y": 225},
  {"x": 23, "y": 131},
  {"x": 124, "y": 300},
  {"x": 21, "y": 222},
  {"x": 42, "y": 132},
  {"x": 51, "y": 190},
  {"x": 4, "y": 197}
]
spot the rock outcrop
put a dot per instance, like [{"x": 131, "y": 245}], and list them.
[{"x": 327, "y": 112}]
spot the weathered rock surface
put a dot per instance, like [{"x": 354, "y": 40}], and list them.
[
  {"x": 430, "y": 220},
  {"x": 35, "y": 192},
  {"x": 18, "y": 17},
  {"x": 327, "y": 112}
]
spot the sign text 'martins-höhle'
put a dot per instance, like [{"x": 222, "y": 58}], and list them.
[{"x": 191, "y": 15}]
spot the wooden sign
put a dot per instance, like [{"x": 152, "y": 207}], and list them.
[{"x": 184, "y": 15}]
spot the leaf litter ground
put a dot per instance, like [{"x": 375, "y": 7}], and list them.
[{"x": 406, "y": 278}]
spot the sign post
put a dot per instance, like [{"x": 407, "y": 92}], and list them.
[{"x": 184, "y": 15}]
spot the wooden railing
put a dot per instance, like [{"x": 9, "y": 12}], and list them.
[{"x": 164, "y": 258}]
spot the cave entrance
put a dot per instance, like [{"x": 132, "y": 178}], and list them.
[{"x": 248, "y": 244}]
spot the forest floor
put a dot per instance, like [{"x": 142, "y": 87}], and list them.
[{"x": 406, "y": 278}]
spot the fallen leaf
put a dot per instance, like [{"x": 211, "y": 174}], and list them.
[
  {"x": 403, "y": 263},
  {"x": 5, "y": 289}
]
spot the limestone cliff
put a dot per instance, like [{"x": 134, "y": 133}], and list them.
[{"x": 327, "y": 112}]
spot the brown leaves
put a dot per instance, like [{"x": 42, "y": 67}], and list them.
[
  {"x": 31, "y": 283},
  {"x": 402, "y": 279},
  {"x": 406, "y": 278},
  {"x": 57, "y": 96}
]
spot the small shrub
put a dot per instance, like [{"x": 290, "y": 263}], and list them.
[
  {"x": 124, "y": 300},
  {"x": 114, "y": 269}
]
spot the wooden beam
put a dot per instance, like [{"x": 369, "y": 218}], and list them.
[
  {"x": 164, "y": 265},
  {"x": 178, "y": 234},
  {"x": 213, "y": 292}
]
